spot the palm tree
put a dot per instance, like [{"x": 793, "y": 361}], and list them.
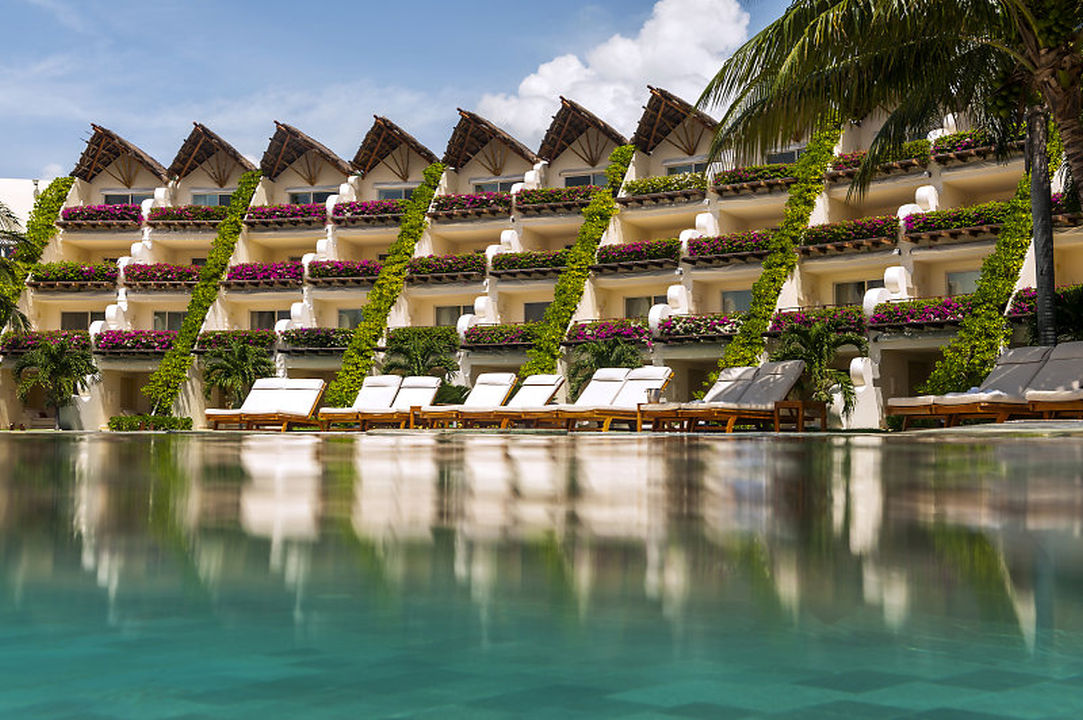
[
  {"x": 234, "y": 368},
  {"x": 419, "y": 353},
  {"x": 591, "y": 356},
  {"x": 817, "y": 345},
  {"x": 10, "y": 277},
  {"x": 60, "y": 368},
  {"x": 10, "y": 228}
]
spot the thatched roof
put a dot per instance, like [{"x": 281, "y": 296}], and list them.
[
  {"x": 475, "y": 132},
  {"x": 288, "y": 144},
  {"x": 569, "y": 124},
  {"x": 201, "y": 145},
  {"x": 664, "y": 113},
  {"x": 104, "y": 147},
  {"x": 382, "y": 139}
]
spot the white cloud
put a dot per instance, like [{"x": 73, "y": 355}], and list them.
[{"x": 679, "y": 48}]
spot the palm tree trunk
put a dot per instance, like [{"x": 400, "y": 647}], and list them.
[
  {"x": 1041, "y": 211},
  {"x": 1066, "y": 105}
]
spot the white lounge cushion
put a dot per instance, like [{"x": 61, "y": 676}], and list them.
[
  {"x": 1051, "y": 396},
  {"x": 490, "y": 390},
  {"x": 730, "y": 384},
  {"x": 602, "y": 388},
  {"x": 773, "y": 382},
  {"x": 916, "y": 401},
  {"x": 537, "y": 390},
  {"x": 639, "y": 383},
  {"x": 377, "y": 391},
  {"x": 992, "y": 396},
  {"x": 1063, "y": 370},
  {"x": 415, "y": 391}
]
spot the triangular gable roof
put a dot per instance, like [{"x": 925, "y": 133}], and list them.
[
  {"x": 473, "y": 133},
  {"x": 201, "y": 145},
  {"x": 570, "y": 122},
  {"x": 287, "y": 144},
  {"x": 382, "y": 139},
  {"x": 104, "y": 147},
  {"x": 663, "y": 114}
]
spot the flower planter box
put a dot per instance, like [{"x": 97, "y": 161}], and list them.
[
  {"x": 187, "y": 217},
  {"x": 273, "y": 217},
  {"x": 372, "y": 213},
  {"x": 634, "y": 266},
  {"x": 895, "y": 167},
  {"x": 529, "y": 265},
  {"x": 72, "y": 277},
  {"x": 669, "y": 197},
  {"x": 502, "y": 337},
  {"x": 343, "y": 273},
  {"x": 840, "y": 319},
  {"x": 554, "y": 201},
  {"x": 542, "y": 273},
  {"x": 443, "y": 278},
  {"x": 698, "y": 328},
  {"x": 920, "y": 314},
  {"x": 847, "y": 246},
  {"x": 636, "y": 257},
  {"x": 14, "y": 344},
  {"x": 471, "y": 206},
  {"x": 734, "y": 248},
  {"x": 264, "y": 276},
  {"x": 160, "y": 277},
  {"x": 211, "y": 339},
  {"x": 72, "y": 285},
  {"x": 967, "y": 234},
  {"x": 958, "y": 148},
  {"x": 436, "y": 269},
  {"x": 316, "y": 341},
  {"x": 755, "y": 186},
  {"x": 101, "y": 217},
  {"x": 133, "y": 343},
  {"x": 631, "y": 329}
]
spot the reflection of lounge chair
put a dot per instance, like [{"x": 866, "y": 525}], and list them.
[
  {"x": 635, "y": 392},
  {"x": 1001, "y": 395},
  {"x": 536, "y": 391},
  {"x": 599, "y": 392},
  {"x": 728, "y": 388},
  {"x": 273, "y": 402},
  {"x": 415, "y": 392},
  {"x": 490, "y": 390},
  {"x": 377, "y": 393},
  {"x": 1056, "y": 391},
  {"x": 771, "y": 384}
]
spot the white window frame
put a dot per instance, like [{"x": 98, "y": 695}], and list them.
[
  {"x": 692, "y": 160},
  {"x": 210, "y": 191},
  {"x": 474, "y": 182},
  {"x": 129, "y": 192},
  {"x": 565, "y": 174},
  {"x": 798, "y": 148},
  {"x": 333, "y": 189},
  {"x": 394, "y": 186}
]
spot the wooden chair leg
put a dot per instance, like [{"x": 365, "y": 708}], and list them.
[{"x": 730, "y": 423}]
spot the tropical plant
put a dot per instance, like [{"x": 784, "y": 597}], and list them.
[
  {"x": 666, "y": 183},
  {"x": 416, "y": 352},
  {"x": 234, "y": 368},
  {"x": 11, "y": 317},
  {"x": 669, "y": 249},
  {"x": 11, "y": 230},
  {"x": 591, "y": 356},
  {"x": 60, "y": 368},
  {"x": 473, "y": 201},
  {"x": 817, "y": 345}
]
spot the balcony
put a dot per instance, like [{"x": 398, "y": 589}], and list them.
[
  {"x": 316, "y": 341},
  {"x": 518, "y": 336},
  {"x": 910, "y": 157},
  {"x": 274, "y": 217},
  {"x": 471, "y": 206},
  {"x": 936, "y": 313},
  {"x": 633, "y": 330},
  {"x": 554, "y": 201},
  {"x": 343, "y": 273},
  {"x": 128, "y": 216},
  {"x": 839, "y": 318},
  {"x": 698, "y": 328},
  {"x": 752, "y": 179},
  {"x": 977, "y": 222},
  {"x": 443, "y": 269},
  {"x": 863, "y": 235},
  {"x": 73, "y": 277},
  {"x": 160, "y": 277},
  {"x": 14, "y": 344},
  {"x": 215, "y": 339},
  {"x": 638, "y": 257},
  {"x": 663, "y": 190},
  {"x": 968, "y": 147},
  {"x": 530, "y": 265},
  {"x": 374, "y": 213},
  {"x": 735, "y": 248},
  {"x": 187, "y": 217},
  {"x": 265, "y": 276},
  {"x": 134, "y": 343}
]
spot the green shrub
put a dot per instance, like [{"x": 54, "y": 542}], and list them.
[
  {"x": 666, "y": 183},
  {"x": 132, "y": 423},
  {"x": 619, "y": 160},
  {"x": 165, "y": 383},
  {"x": 750, "y": 173},
  {"x": 358, "y": 358},
  {"x": 40, "y": 229}
]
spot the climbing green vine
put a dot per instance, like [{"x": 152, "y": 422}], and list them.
[
  {"x": 971, "y": 354},
  {"x": 164, "y": 385},
  {"x": 569, "y": 287},
  {"x": 748, "y": 345},
  {"x": 361, "y": 352},
  {"x": 40, "y": 229}
]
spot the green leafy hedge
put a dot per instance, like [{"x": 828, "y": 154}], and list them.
[
  {"x": 40, "y": 229},
  {"x": 359, "y": 355},
  {"x": 131, "y": 423},
  {"x": 619, "y": 160},
  {"x": 569, "y": 286},
  {"x": 165, "y": 383},
  {"x": 748, "y": 344},
  {"x": 666, "y": 183}
]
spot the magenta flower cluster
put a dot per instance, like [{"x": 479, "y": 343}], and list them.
[
  {"x": 161, "y": 272},
  {"x": 530, "y": 260},
  {"x": 344, "y": 269},
  {"x": 434, "y": 264},
  {"x": 921, "y": 311},
  {"x": 370, "y": 207},
  {"x": 750, "y": 241},
  {"x": 13, "y": 343},
  {"x": 126, "y": 213},
  {"x": 269, "y": 272},
  {"x": 848, "y": 161},
  {"x": 1059, "y": 203},
  {"x": 750, "y": 173},
  {"x": 501, "y": 334},
  {"x": 630, "y": 329},
  {"x": 957, "y": 142},
  {"x": 990, "y": 213},
  {"x": 135, "y": 340},
  {"x": 1025, "y": 301},
  {"x": 213, "y": 213},
  {"x": 699, "y": 325},
  {"x": 541, "y": 196},
  {"x": 317, "y": 337},
  {"x": 287, "y": 212},
  {"x": 848, "y": 230},
  {"x": 669, "y": 249},
  {"x": 477, "y": 201},
  {"x": 74, "y": 272},
  {"x": 838, "y": 319},
  {"x": 212, "y": 339}
]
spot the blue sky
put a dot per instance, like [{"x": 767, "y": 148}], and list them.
[{"x": 148, "y": 69}]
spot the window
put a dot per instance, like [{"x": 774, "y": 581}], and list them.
[
  {"x": 168, "y": 319},
  {"x": 785, "y": 156},
  {"x": 124, "y": 198},
  {"x": 736, "y": 301},
  {"x": 534, "y": 311},
  {"x": 448, "y": 315},
  {"x": 395, "y": 193},
  {"x": 591, "y": 178},
  {"x": 692, "y": 167},
  {"x": 211, "y": 199},
  {"x": 79, "y": 320},
  {"x": 853, "y": 293},
  {"x": 199, "y": 262},
  {"x": 637, "y": 307},
  {"x": 266, "y": 319},
  {"x": 306, "y": 197},
  {"x": 963, "y": 283},
  {"x": 496, "y": 185},
  {"x": 350, "y": 319}
]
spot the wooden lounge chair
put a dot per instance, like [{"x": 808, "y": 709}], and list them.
[
  {"x": 490, "y": 390},
  {"x": 272, "y": 402},
  {"x": 377, "y": 393},
  {"x": 772, "y": 382},
  {"x": 728, "y": 388},
  {"x": 600, "y": 391},
  {"x": 1000, "y": 396},
  {"x": 1057, "y": 391},
  {"x": 536, "y": 391},
  {"x": 625, "y": 406},
  {"x": 415, "y": 392}
]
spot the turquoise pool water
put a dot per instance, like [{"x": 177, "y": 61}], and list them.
[{"x": 486, "y": 576}]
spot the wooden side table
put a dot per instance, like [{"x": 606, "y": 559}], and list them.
[{"x": 797, "y": 411}]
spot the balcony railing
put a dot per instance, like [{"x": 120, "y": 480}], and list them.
[
  {"x": 18, "y": 343},
  {"x": 73, "y": 277},
  {"x": 265, "y": 276},
  {"x": 754, "y": 178},
  {"x": 551, "y": 201},
  {"x": 199, "y": 217},
  {"x": 529, "y": 265},
  {"x": 134, "y": 342},
  {"x": 504, "y": 336},
  {"x": 372, "y": 212},
  {"x": 741, "y": 247},
  {"x": 160, "y": 277},
  {"x": 976, "y": 221},
  {"x": 630, "y": 329},
  {"x": 283, "y": 216},
  {"x": 839, "y": 318},
  {"x": 101, "y": 217},
  {"x": 316, "y": 341},
  {"x": 432, "y": 269},
  {"x": 920, "y": 313},
  {"x": 213, "y": 339},
  {"x": 473, "y": 205},
  {"x": 698, "y": 328},
  {"x": 871, "y": 233},
  {"x": 638, "y": 256},
  {"x": 664, "y": 190},
  {"x": 343, "y": 273}
]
